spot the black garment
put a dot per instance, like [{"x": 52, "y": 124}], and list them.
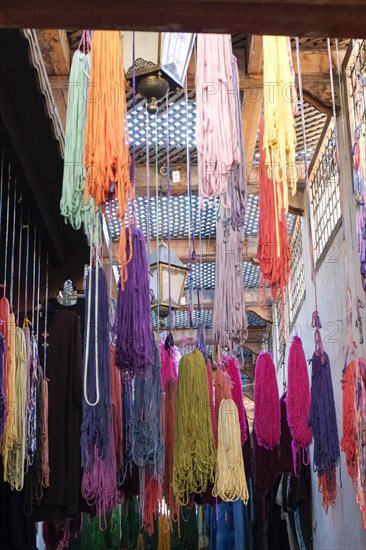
[
  {"x": 62, "y": 498},
  {"x": 17, "y": 531}
]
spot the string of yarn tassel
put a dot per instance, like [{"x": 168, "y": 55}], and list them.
[
  {"x": 133, "y": 345},
  {"x": 10, "y": 425},
  {"x": 4, "y": 330},
  {"x": 223, "y": 387},
  {"x": 323, "y": 422},
  {"x": 194, "y": 452},
  {"x": 359, "y": 171},
  {"x": 232, "y": 367},
  {"x": 73, "y": 207},
  {"x": 2, "y": 389},
  {"x": 298, "y": 401},
  {"x": 348, "y": 443},
  {"x": 267, "y": 416},
  {"x": 273, "y": 250},
  {"x": 148, "y": 449},
  {"x": 360, "y": 433},
  {"x": 116, "y": 408},
  {"x": 217, "y": 139},
  {"x": 169, "y": 361},
  {"x": 96, "y": 421},
  {"x": 16, "y": 447},
  {"x": 212, "y": 404},
  {"x": 152, "y": 496},
  {"x": 106, "y": 157},
  {"x": 98, "y": 456},
  {"x": 169, "y": 436},
  {"x": 230, "y": 323},
  {"x": 230, "y": 481},
  {"x": 279, "y": 141}
]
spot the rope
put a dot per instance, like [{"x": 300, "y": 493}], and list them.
[
  {"x": 74, "y": 209},
  {"x": 230, "y": 482},
  {"x": 194, "y": 452},
  {"x": 106, "y": 156},
  {"x": 217, "y": 140},
  {"x": 279, "y": 140},
  {"x": 13, "y": 247}
]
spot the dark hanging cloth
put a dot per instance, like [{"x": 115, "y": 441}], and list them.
[
  {"x": 286, "y": 464},
  {"x": 78, "y": 307},
  {"x": 17, "y": 531},
  {"x": 62, "y": 498},
  {"x": 266, "y": 467}
]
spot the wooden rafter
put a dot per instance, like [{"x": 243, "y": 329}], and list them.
[{"x": 334, "y": 18}]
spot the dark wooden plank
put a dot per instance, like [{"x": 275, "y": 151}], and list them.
[{"x": 342, "y": 18}]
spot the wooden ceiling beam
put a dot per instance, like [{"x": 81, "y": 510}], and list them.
[{"x": 334, "y": 18}]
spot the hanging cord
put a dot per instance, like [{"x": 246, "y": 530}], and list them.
[
  {"x": 1, "y": 189},
  {"x": 168, "y": 210},
  {"x": 38, "y": 284},
  {"x": 192, "y": 228},
  {"x": 11, "y": 295},
  {"x": 158, "y": 298},
  {"x": 26, "y": 321},
  {"x": 7, "y": 232},
  {"x": 45, "y": 334},
  {"x": 34, "y": 276},
  {"x": 20, "y": 256},
  {"x": 94, "y": 245},
  {"x": 147, "y": 137}
]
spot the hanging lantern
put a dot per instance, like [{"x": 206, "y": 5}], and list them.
[
  {"x": 161, "y": 62},
  {"x": 159, "y": 282}
]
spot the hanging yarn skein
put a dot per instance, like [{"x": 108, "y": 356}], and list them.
[
  {"x": 267, "y": 414},
  {"x": 99, "y": 487},
  {"x": 230, "y": 323},
  {"x": 232, "y": 367},
  {"x": 106, "y": 156},
  {"x": 273, "y": 248},
  {"x": 298, "y": 401},
  {"x": 133, "y": 343},
  {"x": 230, "y": 481},
  {"x": 72, "y": 205},
  {"x": 279, "y": 140},
  {"x": 360, "y": 433},
  {"x": 148, "y": 449},
  {"x": 194, "y": 452},
  {"x": 323, "y": 422},
  {"x": 217, "y": 139},
  {"x": 348, "y": 442}
]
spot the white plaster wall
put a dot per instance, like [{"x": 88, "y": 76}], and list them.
[{"x": 341, "y": 530}]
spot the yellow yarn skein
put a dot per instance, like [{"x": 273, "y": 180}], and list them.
[
  {"x": 194, "y": 452},
  {"x": 230, "y": 480}
]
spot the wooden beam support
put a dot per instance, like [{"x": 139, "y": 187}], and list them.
[
  {"x": 181, "y": 247},
  {"x": 251, "y": 173},
  {"x": 56, "y": 55},
  {"x": 251, "y": 110},
  {"x": 334, "y": 18}
]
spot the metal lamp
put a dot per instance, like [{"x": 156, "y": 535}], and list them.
[
  {"x": 159, "y": 281},
  {"x": 161, "y": 62}
]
